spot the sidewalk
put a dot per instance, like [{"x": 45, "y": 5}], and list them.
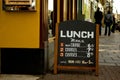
[
  {"x": 109, "y": 64},
  {"x": 109, "y": 49},
  {"x": 105, "y": 73}
]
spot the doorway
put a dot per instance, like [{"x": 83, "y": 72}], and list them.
[{"x": 50, "y": 18}]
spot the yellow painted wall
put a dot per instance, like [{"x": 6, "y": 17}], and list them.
[{"x": 19, "y": 29}]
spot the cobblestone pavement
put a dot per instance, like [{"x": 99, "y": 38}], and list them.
[
  {"x": 109, "y": 49},
  {"x": 105, "y": 73},
  {"x": 109, "y": 62}
]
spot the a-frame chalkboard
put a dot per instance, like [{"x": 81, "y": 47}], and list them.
[{"x": 76, "y": 46}]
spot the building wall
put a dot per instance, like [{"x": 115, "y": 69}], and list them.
[
  {"x": 117, "y": 17},
  {"x": 20, "y": 29},
  {"x": 0, "y": 60},
  {"x": 20, "y": 39},
  {"x": 86, "y": 9}
]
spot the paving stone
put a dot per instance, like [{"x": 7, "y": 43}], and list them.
[
  {"x": 17, "y": 77},
  {"x": 107, "y": 64},
  {"x": 115, "y": 58},
  {"x": 112, "y": 61},
  {"x": 105, "y": 73},
  {"x": 118, "y": 64},
  {"x": 101, "y": 61},
  {"x": 119, "y": 55},
  {"x": 107, "y": 58}
]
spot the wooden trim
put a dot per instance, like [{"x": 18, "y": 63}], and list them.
[
  {"x": 56, "y": 49},
  {"x": 74, "y": 9},
  {"x": 61, "y": 10},
  {"x": 75, "y": 68},
  {"x": 58, "y": 67},
  {"x": 18, "y": 2},
  {"x": 43, "y": 22},
  {"x": 54, "y": 16},
  {"x": 70, "y": 10},
  {"x": 58, "y": 11},
  {"x": 65, "y": 10},
  {"x": 97, "y": 49}
]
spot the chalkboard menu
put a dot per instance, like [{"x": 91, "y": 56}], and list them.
[{"x": 76, "y": 44}]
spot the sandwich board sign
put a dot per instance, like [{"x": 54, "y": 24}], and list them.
[{"x": 76, "y": 46}]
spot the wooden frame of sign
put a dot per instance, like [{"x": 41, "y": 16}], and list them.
[
  {"x": 19, "y": 5},
  {"x": 67, "y": 62},
  {"x": 18, "y": 2}
]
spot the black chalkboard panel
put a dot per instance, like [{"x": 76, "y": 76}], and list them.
[{"x": 76, "y": 43}]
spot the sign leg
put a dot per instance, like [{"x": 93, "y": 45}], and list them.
[{"x": 55, "y": 70}]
